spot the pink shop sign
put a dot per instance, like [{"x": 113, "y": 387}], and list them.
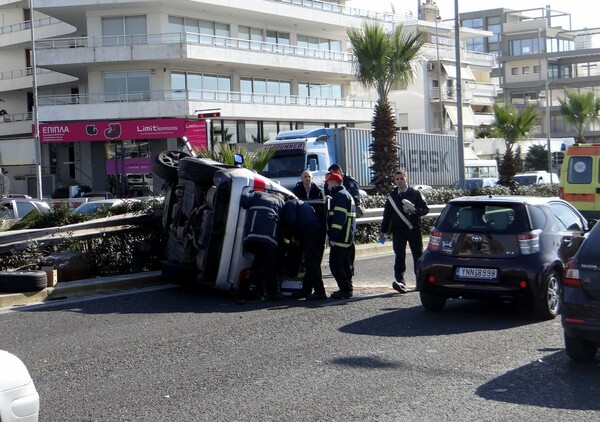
[
  {"x": 128, "y": 166},
  {"x": 113, "y": 130}
]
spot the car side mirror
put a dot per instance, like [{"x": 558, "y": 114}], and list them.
[{"x": 591, "y": 223}]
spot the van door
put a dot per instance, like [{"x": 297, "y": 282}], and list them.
[{"x": 580, "y": 179}]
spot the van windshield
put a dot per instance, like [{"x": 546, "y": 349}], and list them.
[{"x": 285, "y": 164}]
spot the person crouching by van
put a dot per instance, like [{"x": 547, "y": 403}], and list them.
[
  {"x": 341, "y": 226},
  {"x": 261, "y": 234},
  {"x": 306, "y": 188},
  {"x": 300, "y": 222}
]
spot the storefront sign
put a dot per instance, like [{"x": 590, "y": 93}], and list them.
[
  {"x": 117, "y": 130},
  {"x": 196, "y": 134}
]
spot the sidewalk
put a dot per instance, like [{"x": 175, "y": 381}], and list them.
[{"x": 71, "y": 289}]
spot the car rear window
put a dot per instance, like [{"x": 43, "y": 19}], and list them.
[
  {"x": 489, "y": 218},
  {"x": 526, "y": 180}
]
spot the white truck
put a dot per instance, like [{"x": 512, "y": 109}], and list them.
[
  {"x": 317, "y": 149},
  {"x": 430, "y": 159}
]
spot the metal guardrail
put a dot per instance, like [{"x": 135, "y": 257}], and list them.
[
  {"x": 20, "y": 239},
  {"x": 374, "y": 215}
]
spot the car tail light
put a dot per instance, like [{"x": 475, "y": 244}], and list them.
[
  {"x": 529, "y": 242},
  {"x": 572, "y": 274},
  {"x": 435, "y": 239},
  {"x": 561, "y": 193}
]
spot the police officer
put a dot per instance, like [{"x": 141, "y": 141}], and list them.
[{"x": 402, "y": 214}]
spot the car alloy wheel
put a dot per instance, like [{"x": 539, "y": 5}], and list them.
[{"x": 548, "y": 306}]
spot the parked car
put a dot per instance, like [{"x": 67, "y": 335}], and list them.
[
  {"x": 580, "y": 298},
  {"x": 14, "y": 209},
  {"x": 536, "y": 178},
  {"x": 99, "y": 194},
  {"x": 477, "y": 182},
  {"x": 19, "y": 399},
  {"x": 508, "y": 248},
  {"x": 91, "y": 207}
]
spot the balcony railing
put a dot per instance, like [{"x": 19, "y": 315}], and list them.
[
  {"x": 18, "y": 117},
  {"x": 22, "y": 26},
  {"x": 346, "y": 10},
  {"x": 21, "y": 73},
  {"x": 202, "y": 95},
  {"x": 192, "y": 38}
]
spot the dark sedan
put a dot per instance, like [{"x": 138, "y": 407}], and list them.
[
  {"x": 507, "y": 248},
  {"x": 580, "y": 297}
]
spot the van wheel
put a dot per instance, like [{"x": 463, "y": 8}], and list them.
[
  {"x": 579, "y": 349},
  {"x": 548, "y": 306},
  {"x": 23, "y": 281},
  {"x": 176, "y": 273},
  {"x": 200, "y": 171},
  {"x": 431, "y": 301},
  {"x": 166, "y": 164}
]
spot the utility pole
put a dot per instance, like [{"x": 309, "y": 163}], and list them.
[
  {"x": 36, "y": 121},
  {"x": 459, "y": 114}
]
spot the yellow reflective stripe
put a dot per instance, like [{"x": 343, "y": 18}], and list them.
[
  {"x": 341, "y": 209},
  {"x": 341, "y": 245},
  {"x": 336, "y": 226},
  {"x": 330, "y": 212},
  {"x": 286, "y": 240}
]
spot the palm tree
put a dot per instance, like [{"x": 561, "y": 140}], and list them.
[
  {"x": 383, "y": 59},
  {"x": 512, "y": 125},
  {"x": 225, "y": 153},
  {"x": 580, "y": 110}
]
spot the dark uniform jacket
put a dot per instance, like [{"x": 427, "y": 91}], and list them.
[
  {"x": 341, "y": 218},
  {"x": 314, "y": 193},
  {"x": 392, "y": 221},
  {"x": 299, "y": 220},
  {"x": 262, "y": 219}
]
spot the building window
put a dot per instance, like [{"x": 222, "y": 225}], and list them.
[
  {"x": 259, "y": 90},
  {"x": 199, "y": 31},
  {"x": 524, "y": 47},
  {"x": 319, "y": 47},
  {"x": 319, "y": 94},
  {"x": 123, "y": 30},
  {"x": 526, "y": 70},
  {"x": 200, "y": 86},
  {"x": 514, "y": 71},
  {"x": 254, "y": 36},
  {"x": 126, "y": 86},
  {"x": 536, "y": 69}
]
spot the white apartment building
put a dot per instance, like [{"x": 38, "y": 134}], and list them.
[{"x": 121, "y": 80}]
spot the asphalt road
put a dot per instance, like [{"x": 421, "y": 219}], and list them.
[{"x": 167, "y": 354}]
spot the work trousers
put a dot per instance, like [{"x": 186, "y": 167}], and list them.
[
  {"x": 264, "y": 269},
  {"x": 313, "y": 246},
  {"x": 339, "y": 264},
  {"x": 415, "y": 241}
]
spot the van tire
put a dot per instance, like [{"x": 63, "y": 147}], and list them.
[
  {"x": 166, "y": 164},
  {"x": 23, "y": 281},
  {"x": 200, "y": 171},
  {"x": 176, "y": 273}
]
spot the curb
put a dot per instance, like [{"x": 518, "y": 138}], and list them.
[{"x": 71, "y": 289}]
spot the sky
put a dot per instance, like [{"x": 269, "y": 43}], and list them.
[{"x": 584, "y": 13}]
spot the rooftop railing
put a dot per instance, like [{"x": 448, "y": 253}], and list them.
[{"x": 21, "y": 73}]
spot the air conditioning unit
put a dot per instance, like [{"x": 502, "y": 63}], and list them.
[{"x": 430, "y": 66}]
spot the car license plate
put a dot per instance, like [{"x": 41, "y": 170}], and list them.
[{"x": 476, "y": 273}]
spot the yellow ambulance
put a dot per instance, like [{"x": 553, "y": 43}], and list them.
[{"x": 580, "y": 178}]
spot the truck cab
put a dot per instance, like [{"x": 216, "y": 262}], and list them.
[{"x": 296, "y": 151}]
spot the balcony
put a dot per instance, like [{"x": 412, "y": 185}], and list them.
[
  {"x": 168, "y": 47},
  {"x": 20, "y": 33},
  {"x": 170, "y": 103},
  {"x": 11, "y": 80}
]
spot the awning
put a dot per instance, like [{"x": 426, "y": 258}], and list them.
[
  {"x": 465, "y": 72},
  {"x": 467, "y": 115}
]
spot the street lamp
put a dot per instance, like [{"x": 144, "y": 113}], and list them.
[
  {"x": 439, "y": 69},
  {"x": 547, "y": 86},
  {"x": 36, "y": 121}
]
